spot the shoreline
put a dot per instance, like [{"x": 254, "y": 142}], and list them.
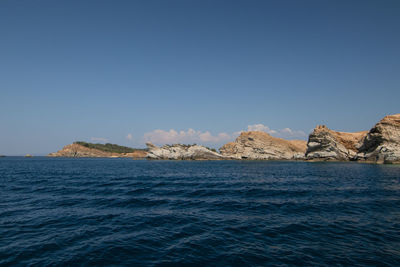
[{"x": 213, "y": 160}]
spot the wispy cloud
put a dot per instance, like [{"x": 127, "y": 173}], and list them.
[
  {"x": 99, "y": 139},
  {"x": 285, "y": 133},
  {"x": 290, "y": 134},
  {"x": 190, "y": 136},
  {"x": 129, "y": 136}
]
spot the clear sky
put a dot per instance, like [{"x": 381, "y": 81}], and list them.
[{"x": 190, "y": 71}]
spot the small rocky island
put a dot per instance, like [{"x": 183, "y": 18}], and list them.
[
  {"x": 381, "y": 144},
  {"x": 88, "y": 150}
]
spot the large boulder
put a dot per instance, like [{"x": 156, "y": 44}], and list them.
[
  {"x": 327, "y": 145},
  {"x": 382, "y": 143},
  {"x": 257, "y": 145},
  {"x": 182, "y": 152}
]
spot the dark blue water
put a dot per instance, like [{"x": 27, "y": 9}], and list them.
[{"x": 126, "y": 212}]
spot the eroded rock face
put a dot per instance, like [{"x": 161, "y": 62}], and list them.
[
  {"x": 182, "y": 152},
  {"x": 326, "y": 144},
  {"x": 382, "y": 143},
  {"x": 79, "y": 151},
  {"x": 256, "y": 145}
]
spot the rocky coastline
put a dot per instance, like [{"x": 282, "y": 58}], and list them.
[{"x": 381, "y": 144}]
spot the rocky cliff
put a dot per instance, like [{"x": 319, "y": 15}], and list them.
[
  {"x": 326, "y": 144},
  {"x": 182, "y": 152},
  {"x": 382, "y": 143},
  {"x": 262, "y": 146},
  {"x": 79, "y": 151}
]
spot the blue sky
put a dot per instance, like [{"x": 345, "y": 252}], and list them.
[{"x": 192, "y": 71}]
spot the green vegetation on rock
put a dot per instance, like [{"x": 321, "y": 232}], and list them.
[
  {"x": 112, "y": 148},
  {"x": 212, "y": 149}
]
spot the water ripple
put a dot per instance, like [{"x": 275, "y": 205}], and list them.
[{"x": 124, "y": 212}]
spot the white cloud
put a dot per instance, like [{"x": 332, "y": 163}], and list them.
[
  {"x": 187, "y": 137},
  {"x": 286, "y": 133},
  {"x": 261, "y": 128},
  {"x": 129, "y": 136},
  {"x": 99, "y": 139}
]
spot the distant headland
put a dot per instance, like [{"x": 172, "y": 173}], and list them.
[
  {"x": 82, "y": 149},
  {"x": 381, "y": 144}
]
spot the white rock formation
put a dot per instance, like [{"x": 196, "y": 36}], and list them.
[{"x": 182, "y": 152}]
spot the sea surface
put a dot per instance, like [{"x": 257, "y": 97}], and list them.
[{"x": 56, "y": 211}]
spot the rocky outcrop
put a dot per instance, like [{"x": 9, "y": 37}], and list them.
[
  {"x": 325, "y": 144},
  {"x": 79, "y": 151},
  {"x": 182, "y": 152},
  {"x": 382, "y": 143},
  {"x": 256, "y": 145}
]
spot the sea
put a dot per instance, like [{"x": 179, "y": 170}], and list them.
[{"x": 123, "y": 212}]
